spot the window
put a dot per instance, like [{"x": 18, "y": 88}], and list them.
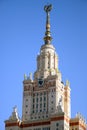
[
  {"x": 44, "y": 109},
  {"x": 40, "y": 105},
  {"x": 57, "y": 124},
  {"x": 36, "y": 99},
  {"x": 52, "y": 108},
  {"x": 33, "y": 111},
  {"x": 40, "y": 98},
  {"x": 44, "y": 104},
  {"x": 36, "y": 105},
  {"x": 33, "y": 100},
  {"x": 26, "y": 105},
  {"x": 33, "y": 105},
  {"x": 46, "y": 115},
  {"x": 26, "y": 99},
  {"x": 52, "y": 102},
  {"x": 44, "y": 98},
  {"x": 40, "y": 110}
]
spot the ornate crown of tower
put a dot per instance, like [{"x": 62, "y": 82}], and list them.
[{"x": 47, "y": 60}]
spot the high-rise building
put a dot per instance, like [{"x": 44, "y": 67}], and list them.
[{"x": 46, "y": 99}]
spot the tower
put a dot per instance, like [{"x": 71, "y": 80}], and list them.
[
  {"x": 46, "y": 99},
  {"x": 46, "y": 96}
]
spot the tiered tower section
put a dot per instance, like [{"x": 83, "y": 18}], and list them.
[{"x": 47, "y": 62}]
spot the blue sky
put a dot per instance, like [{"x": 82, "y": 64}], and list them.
[{"x": 22, "y": 28}]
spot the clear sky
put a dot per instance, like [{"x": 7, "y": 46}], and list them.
[{"x": 22, "y": 28}]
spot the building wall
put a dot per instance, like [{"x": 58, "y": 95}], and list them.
[{"x": 27, "y": 100}]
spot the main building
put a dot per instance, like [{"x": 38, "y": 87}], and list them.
[{"x": 46, "y": 99}]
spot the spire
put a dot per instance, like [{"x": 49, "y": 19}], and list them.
[{"x": 47, "y": 37}]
